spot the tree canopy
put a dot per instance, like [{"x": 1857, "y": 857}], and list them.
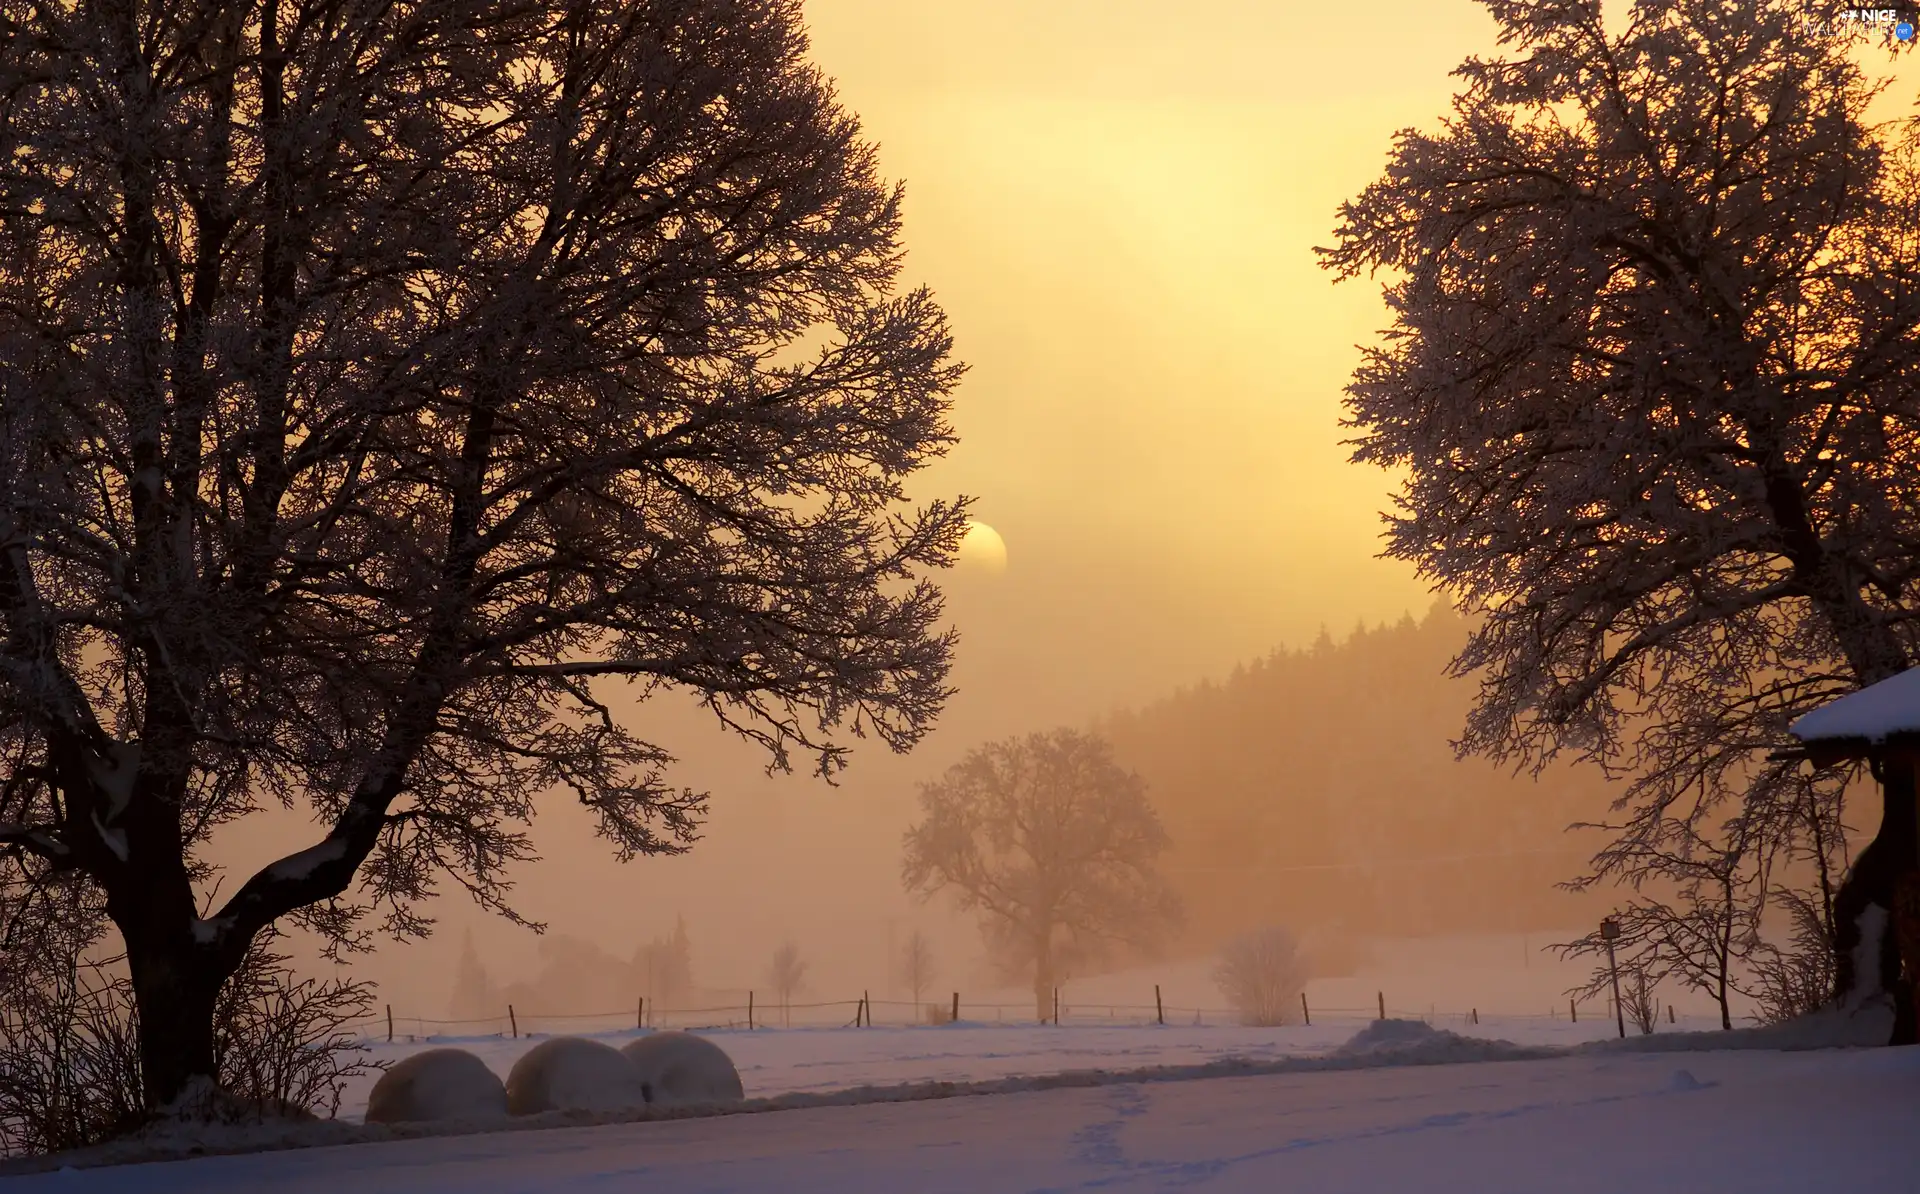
[
  {"x": 1654, "y": 383},
  {"x": 383, "y": 389},
  {"x": 1053, "y": 843}
]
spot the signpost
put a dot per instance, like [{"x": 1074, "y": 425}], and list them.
[{"x": 1610, "y": 933}]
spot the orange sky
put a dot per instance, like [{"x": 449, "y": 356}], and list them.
[{"x": 1116, "y": 201}]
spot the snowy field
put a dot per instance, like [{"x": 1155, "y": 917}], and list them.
[
  {"x": 1652, "y": 1123},
  {"x": 1753, "y": 1122},
  {"x": 818, "y": 1060}
]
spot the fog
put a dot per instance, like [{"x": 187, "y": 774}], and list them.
[{"x": 1118, "y": 209}]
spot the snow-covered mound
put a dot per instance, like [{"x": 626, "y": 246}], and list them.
[
  {"x": 1382, "y": 1035},
  {"x": 438, "y": 1084},
  {"x": 571, "y": 1073},
  {"x": 1413, "y": 1042},
  {"x": 1829, "y": 1028},
  {"x": 679, "y": 1067}
]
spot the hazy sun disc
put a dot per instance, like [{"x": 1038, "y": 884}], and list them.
[{"x": 982, "y": 549}]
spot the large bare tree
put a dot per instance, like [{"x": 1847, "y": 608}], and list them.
[
  {"x": 1652, "y": 378},
  {"x": 387, "y": 386},
  {"x": 1053, "y": 843}
]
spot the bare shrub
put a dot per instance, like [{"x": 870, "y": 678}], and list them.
[
  {"x": 1793, "y": 981},
  {"x": 1638, "y": 1002},
  {"x": 1262, "y": 974},
  {"x": 281, "y": 1042},
  {"x": 70, "y": 1059}
]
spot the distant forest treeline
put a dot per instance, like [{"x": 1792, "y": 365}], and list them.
[{"x": 1318, "y": 789}]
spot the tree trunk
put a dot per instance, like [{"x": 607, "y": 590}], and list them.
[
  {"x": 174, "y": 992},
  {"x": 1043, "y": 984},
  {"x": 176, "y": 972}
]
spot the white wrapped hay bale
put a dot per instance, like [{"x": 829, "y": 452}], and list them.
[
  {"x": 570, "y": 1073},
  {"x": 437, "y": 1084},
  {"x": 679, "y": 1067}
]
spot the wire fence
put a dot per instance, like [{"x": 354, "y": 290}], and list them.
[{"x": 754, "y": 1013}]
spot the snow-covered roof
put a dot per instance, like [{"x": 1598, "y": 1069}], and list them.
[{"x": 1874, "y": 713}]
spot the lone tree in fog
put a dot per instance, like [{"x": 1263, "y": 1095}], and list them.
[
  {"x": 391, "y": 396},
  {"x": 786, "y": 974},
  {"x": 916, "y": 965},
  {"x": 1053, "y": 843},
  {"x": 1654, "y": 382}
]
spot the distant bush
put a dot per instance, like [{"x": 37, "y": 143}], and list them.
[{"x": 1262, "y": 974}]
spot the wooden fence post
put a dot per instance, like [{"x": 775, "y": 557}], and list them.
[
  {"x": 749, "y": 1011},
  {"x": 866, "y": 1006},
  {"x": 1476, "y": 1015},
  {"x": 1382, "y": 997},
  {"x": 513, "y": 1022},
  {"x": 640, "y": 1013},
  {"x": 1056, "y": 1007},
  {"x": 1159, "y": 1009},
  {"x": 1304, "y": 1013},
  {"x": 955, "y": 1018},
  {"x": 1573, "y": 1011},
  {"x": 1670, "y": 1013},
  {"x": 389, "y": 1024}
]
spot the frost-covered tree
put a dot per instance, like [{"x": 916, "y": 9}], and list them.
[
  {"x": 475, "y": 995},
  {"x": 786, "y": 974},
  {"x": 1053, "y": 843},
  {"x": 392, "y": 393},
  {"x": 663, "y": 967},
  {"x": 574, "y": 975},
  {"x": 1262, "y": 974},
  {"x": 917, "y": 968},
  {"x": 1654, "y": 380},
  {"x": 1698, "y": 924}
]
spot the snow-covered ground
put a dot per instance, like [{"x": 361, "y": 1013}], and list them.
[
  {"x": 1752, "y": 1122},
  {"x": 816, "y": 1060}
]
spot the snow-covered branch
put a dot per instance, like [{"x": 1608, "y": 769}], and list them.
[
  {"x": 1652, "y": 386},
  {"x": 377, "y": 382}
]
